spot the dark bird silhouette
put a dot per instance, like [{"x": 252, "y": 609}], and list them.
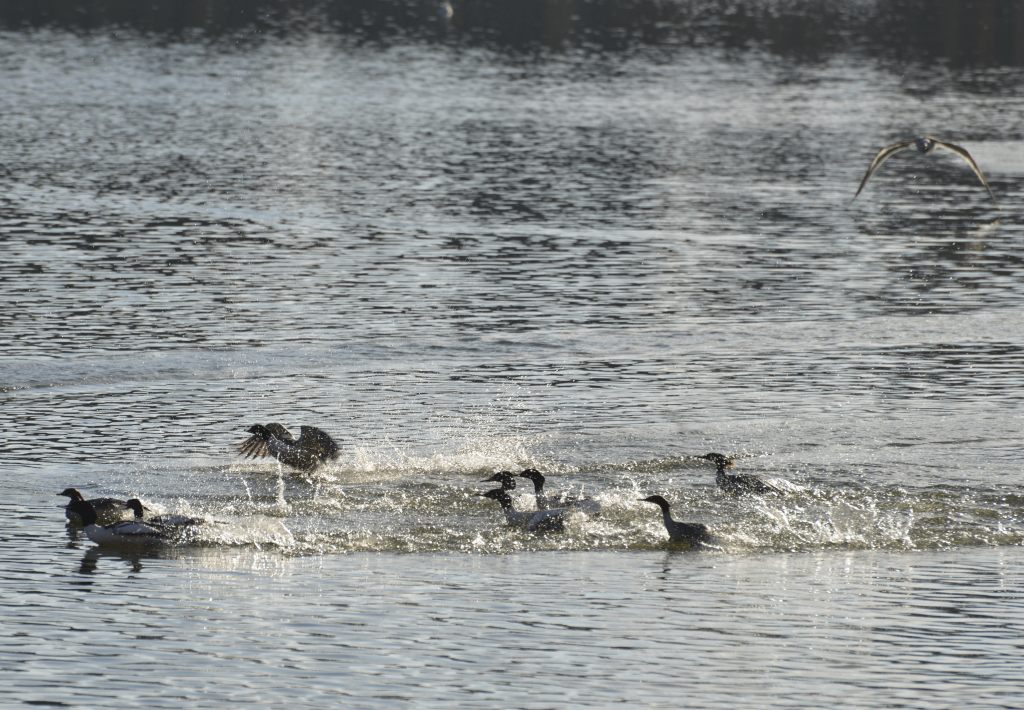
[
  {"x": 125, "y": 532},
  {"x": 313, "y": 448},
  {"x": 166, "y": 522},
  {"x": 552, "y": 520},
  {"x": 693, "y": 533},
  {"x": 106, "y": 510},
  {"x": 739, "y": 483},
  {"x": 507, "y": 479},
  {"x": 924, "y": 145},
  {"x": 558, "y": 500}
]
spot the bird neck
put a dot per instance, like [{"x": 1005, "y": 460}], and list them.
[
  {"x": 667, "y": 517},
  {"x": 505, "y": 500},
  {"x": 720, "y": 475}
]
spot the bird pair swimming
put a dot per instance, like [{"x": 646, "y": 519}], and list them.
[
  {"x": 732, "y": 483},
  {"x": 138, "y": 531},
  {"x": 552, "y": 510}
]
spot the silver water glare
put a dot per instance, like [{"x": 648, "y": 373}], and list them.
[{"x": 599, "y": 239}]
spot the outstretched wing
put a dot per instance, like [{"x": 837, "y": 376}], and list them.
[
  {"x": 883, "y": 155},
  {"x": 317, "y": 443},
  {"x": 256, "y": 447},
  {"x": 962, "y": 152}
]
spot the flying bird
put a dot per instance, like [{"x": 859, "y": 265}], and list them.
[
  {"x": 313, "y": 447},
  {"x": 924, "y": 145}
]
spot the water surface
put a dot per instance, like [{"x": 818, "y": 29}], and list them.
[{"x": 594, "y": 251}]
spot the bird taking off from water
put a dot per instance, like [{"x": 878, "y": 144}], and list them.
[
  {"x": 924, "y": 145},
  {"x": 313, "y": 447}
]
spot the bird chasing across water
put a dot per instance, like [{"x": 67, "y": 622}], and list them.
[
  {"x": 107, "y": 510},
  {"x": 742, "y": 483},
  {"x": 558, "y": 500},
  {"x": 551, "y": 520},
  {"x": 312, "y": 449},
  {"x": 165, "y": 522},
  {"x": 691, "y": 533},
  {"x": 131, "y": 533},
  {"x": 924, "y": 145}
]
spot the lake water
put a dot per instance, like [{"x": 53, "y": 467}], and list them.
[{"x": 598, "y": 239}]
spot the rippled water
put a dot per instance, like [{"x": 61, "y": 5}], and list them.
[{"x": 458, "y": 252}]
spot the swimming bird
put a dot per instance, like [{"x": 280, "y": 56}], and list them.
[
  {"x": 313, "y": 448},
  {"x": 551, "y": 520},
  {"x": 693, "y": 533},
  {"x": 507, "y": 479},
  {"x": 166, "y": 522},
  {"x": 924, "y": 145},
  {"x": 738, "y": 483},
  {"x": 107, "y": 510},
  {"x": 126, "y": 532},
  {"x": 558, "y": 500}
]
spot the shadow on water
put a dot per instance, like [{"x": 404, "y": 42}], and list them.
[{"x": 961, "y": 33}]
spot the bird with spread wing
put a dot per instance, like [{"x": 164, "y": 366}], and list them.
[{"x": 924, "y": 145}]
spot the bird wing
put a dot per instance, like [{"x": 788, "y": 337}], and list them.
[
  {"x": 318, "y": 443},
  {"x": 882, "y": 155},
  {"x": 781, "y": 485},
  {"x": 962, "y": 152},
  {"x": 255, "y": 447}
]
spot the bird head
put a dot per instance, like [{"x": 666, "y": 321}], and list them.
[
  {"x": 260, "y": 431},
  {"x": 496, "y": 494},
  {"x": 534, "y": 475},
  {"x": 505, "y": 478},
  {"x": 657, "y": 500},
  {"x": 720, "y": 460},
  {"x": 71, "y": 493},
  {"x": 136, "y": 507}
]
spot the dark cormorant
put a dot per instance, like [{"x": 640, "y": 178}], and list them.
[
  {"x": 693, "y": 533},
  {"x": 738, "y": 483},
  {"x": 313, "y": 448}
]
